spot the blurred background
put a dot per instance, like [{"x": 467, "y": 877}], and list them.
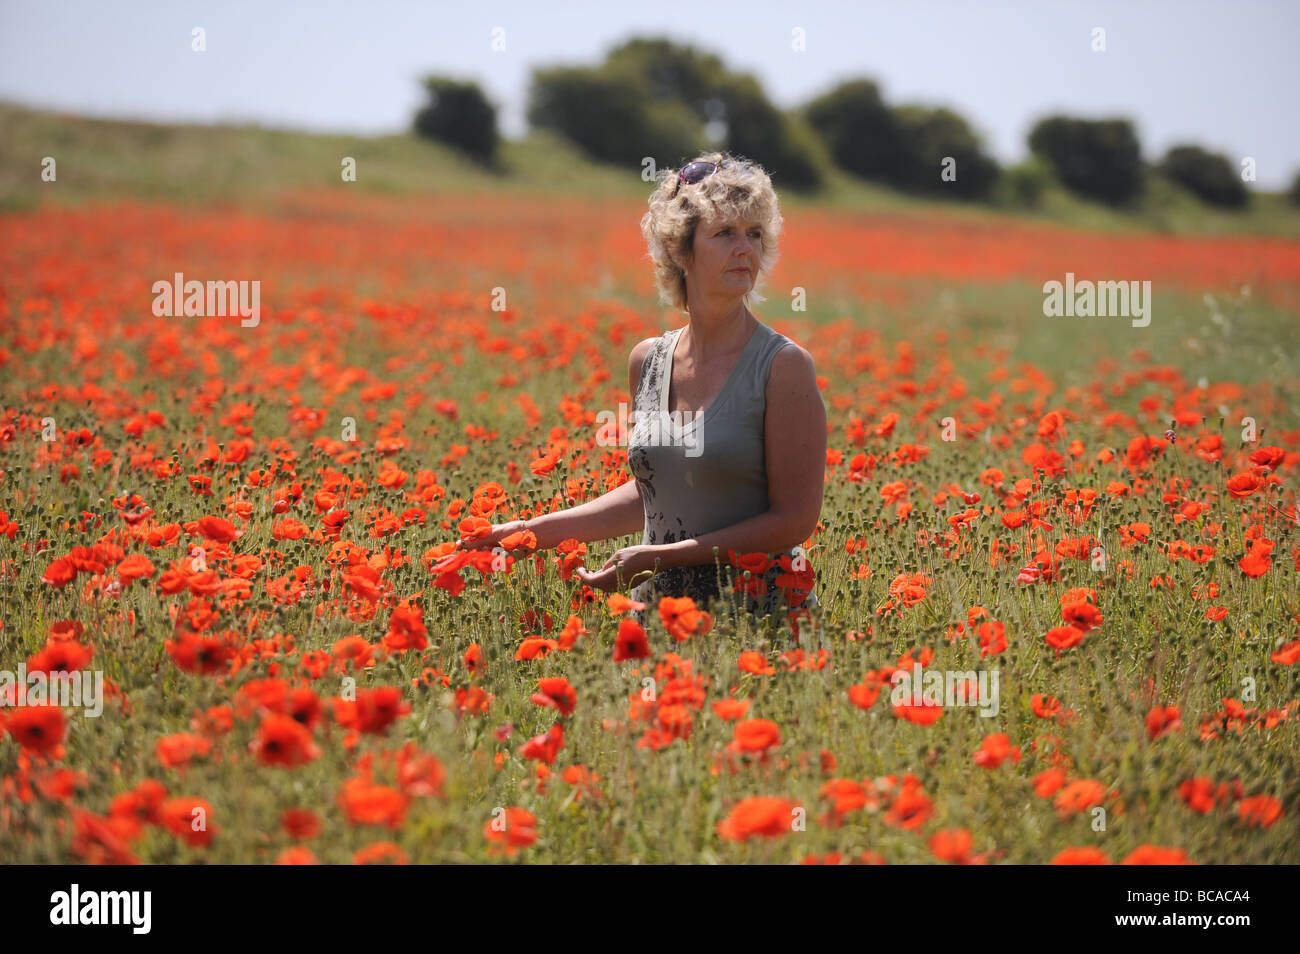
[{"x": 1177, "y": 116}]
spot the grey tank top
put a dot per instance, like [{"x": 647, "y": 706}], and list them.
[{"x": 700, "y": 473}]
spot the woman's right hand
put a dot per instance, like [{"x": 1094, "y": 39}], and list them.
[{"x": 492, "y": 537}]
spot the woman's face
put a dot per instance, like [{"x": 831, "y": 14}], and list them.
[{"x": 726, "y": 257}]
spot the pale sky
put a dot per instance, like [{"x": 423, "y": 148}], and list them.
[{"x": 1222, "y": 74}]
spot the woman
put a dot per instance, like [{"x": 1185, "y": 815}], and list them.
[{"x": 729, "y": 443}]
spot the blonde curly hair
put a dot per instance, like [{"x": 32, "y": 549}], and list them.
[{"x": 741, "y": 189}]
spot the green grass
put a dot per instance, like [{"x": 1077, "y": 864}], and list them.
[{"x": 108, "y": 158}]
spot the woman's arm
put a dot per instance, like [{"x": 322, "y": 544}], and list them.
[
  {"x": 613, "y": 514},
  {"x": 794, "y": 434}
]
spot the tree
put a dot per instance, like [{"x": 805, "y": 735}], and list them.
[
  {"x": 610, "y": 115},
  {"x": 1024, "y": 184},
  {"x": 759, "y": 131},
  {"x": 930, "y": 138},
  {"x": 460, "y": 115},
  {"x": 1099, "y": 159},
  {"x": 654, "y": 97},
  {"x": 904, "y": 147},
  {"x": 861, "y": 133},
  {"x": 1209, "y": 176}
]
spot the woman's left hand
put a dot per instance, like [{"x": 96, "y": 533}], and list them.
[{"x": 626, "y": 568}]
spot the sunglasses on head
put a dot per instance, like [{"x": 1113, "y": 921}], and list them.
[{"x": 693, "y": 172}]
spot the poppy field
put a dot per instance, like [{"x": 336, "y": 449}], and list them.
[{"x": 1088, "y": 531}]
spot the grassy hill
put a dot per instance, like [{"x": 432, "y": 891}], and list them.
[{"x": 108, "y": 159}]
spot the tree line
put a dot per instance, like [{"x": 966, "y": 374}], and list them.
[{"x": 667, "y": 101}]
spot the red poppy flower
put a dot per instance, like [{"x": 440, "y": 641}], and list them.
[
  {"x": 37, "y": 728},
  {"x": 557, "y": 694},
  {"x": 283, "y": 740},
  {"x": 631, "y": 642}
]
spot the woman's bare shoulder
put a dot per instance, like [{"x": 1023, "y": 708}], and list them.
[
  {"x": 792, "y": 365},
  {"x": 639, "y": 351},
  {"x": 635, "y": 361}
]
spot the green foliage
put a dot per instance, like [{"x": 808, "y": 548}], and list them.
[
  {"x": 905, "y": 147},
  {"x": 1100, "y": 159},
  {"x": 653, "y": 97},
  {"x": 1025, "y": 184},
  {"x": 860, "y": 131},
  {"x": 110, "y": 159},
  {"x": 758, "y": 130},
  {"x": 609, "y": 115},
  {"x": 1209, "y": 176},
  {"x": 460, "y": 115},
  {"x": 931, "y": 136},
  {"x": 670, "y": 72}
]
